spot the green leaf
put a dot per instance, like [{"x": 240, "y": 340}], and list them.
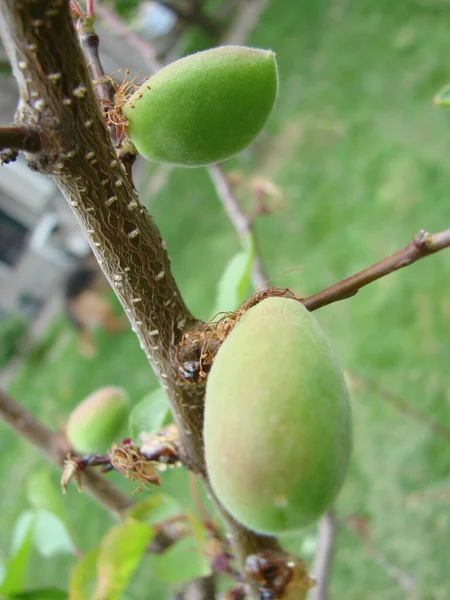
[
  {"x": 84, "y": 577},
  {"x": 120, "y": 553},
  {"x": 180, "y": 562},
  {"x": 149, "y": 415},
  {"x": 41, "y": 594},
  {"x": 157, "y": 508},
  {"x": 198, "y": 530},
  {"x": 50, "y": 535},
  {"x": 235, "y": 279},
  {"x": 22, "y": 542},
  {"x": 442, "y": 98},
  {"x": 44, "y": 493}
]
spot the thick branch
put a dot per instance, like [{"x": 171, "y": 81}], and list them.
[
  {"x": 422, "y": 245},
  {"x": 19, "y": 137},
  {"x": 55, "y": 449},
  {"x": 57, "y": 98}
]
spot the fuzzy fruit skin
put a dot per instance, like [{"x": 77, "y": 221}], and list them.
[
  {"x": 94, "y": 424},
  {"x": 277, "y": 419},
  {"x": 205, "y": 107}
]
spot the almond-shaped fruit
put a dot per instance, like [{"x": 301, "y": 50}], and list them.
[
  {"x": 277, "y": 419},
  {"x": 97, "y": 421},
  {"x": 203, "y": 108}
]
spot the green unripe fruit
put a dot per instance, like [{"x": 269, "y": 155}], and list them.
[
  {"x": 97, "y": 421},
  {"x": 277, "y": 419},
  {"x": 205, "y": 107}
]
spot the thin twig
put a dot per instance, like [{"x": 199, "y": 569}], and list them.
[
  {"x": 55, "y": 449},
  {"x": 90, "y": 43},
  {"x": 400, "y": 404},
  {"x": 422, "y": 245},
  {"x": 323, "y": 559},
  {"x": 147, "y": 52},
  {"x": 359, "y": 527},
  {"x": 19, "y": 137},
  {"x": 239, "y": 220}
]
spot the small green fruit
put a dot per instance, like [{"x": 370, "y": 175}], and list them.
[
  {"x": 277, "y": 419},
  {"x": 205, "y": 107},
  {"x": 98, "y": 420}
]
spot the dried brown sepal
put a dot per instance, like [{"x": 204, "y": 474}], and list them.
[
  {"x": 129, "y": 460},
  {"x": 162, "y": 447},
  {"x": 278, "y": 575},
  {"x": 71, "y": 470},
  {"x": 198, "y": 349},
  {"x": 112, "y": 111}
]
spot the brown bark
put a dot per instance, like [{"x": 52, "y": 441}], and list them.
[{"x": 57, "y": 101}]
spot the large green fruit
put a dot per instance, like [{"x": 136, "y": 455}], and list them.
[
  {"x": 205, "y": 107},
  {"x": 97, "y": 421},
  {"x": 277, "y": 419}
]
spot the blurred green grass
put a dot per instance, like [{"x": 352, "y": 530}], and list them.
[{"x": 362, "y": 157}]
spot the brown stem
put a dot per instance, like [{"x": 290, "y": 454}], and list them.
[
  {"x": 55, "y": 449},
  {"x": 422, "y": 245},
  {"x": 90, "y": 43},
  {"x": 19, "y": 137},
  {"x": 239, "y": 220}
]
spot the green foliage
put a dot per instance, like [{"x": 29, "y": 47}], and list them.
[
  {"x": 149, "y": 415},
  {"x": 181, "y": 562},
  {"x": 126, "y": 8},
  {"x": 119, "y": 554},
  {"x": 235, "y": 279},
  {"x": 40, "y": 594},
  {"x": 12, "y": 330},
  {"x": 14, "y": 576},
  {"x": 50, "y": 535},
  {"x": 83, "y": 579},
  {"x": 156, "y": 509},
  {"x": 442, "y": 98},
  {"x": 104, "y": 572},
  {"x": 44, "y": 494},
  {"x": 205, "y": 107}
]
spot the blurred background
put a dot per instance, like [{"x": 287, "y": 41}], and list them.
[{"x": 353, "y": 162}]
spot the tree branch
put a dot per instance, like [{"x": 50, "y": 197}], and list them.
[
  {"x": 357, "y": 382},
  {"x": 323, "y": 559},
  {"x": 239, "y": 220},
  {"x": 19, "y": 137},
  {"x": 114, "y": 21},
  {"x": 422, "y": 245},
  {"x": 54, "y": 447},
  {"x": 57, "y": 99}
]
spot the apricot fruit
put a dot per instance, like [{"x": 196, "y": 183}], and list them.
[
  {"x": 96, "y": 422},
  {"x": 277, "y": 419},
  {"x": 203, "y": 108}
]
